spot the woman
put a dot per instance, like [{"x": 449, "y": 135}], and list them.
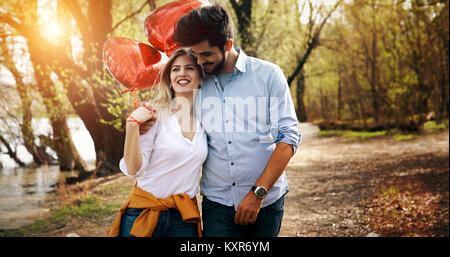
[{"x": 166, "y": 160}]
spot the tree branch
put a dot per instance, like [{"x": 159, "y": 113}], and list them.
[
  {"x": 313, "y": 41},
  {"x": 133, "y": 14},
  {"x": 75, "y": 10},
  {"x": 11, "y": 153},
  {"x": 5, "y": 18},
  {"x": 234, "y": 4}
]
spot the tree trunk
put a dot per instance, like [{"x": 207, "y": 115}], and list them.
[
  {"x": 243, "y": 11},
  {"x": 421, "y": 102},
  {"x": 100, "y": 21},
  {"x": 339, "y": 104},
  {"x": 357, "y": 92},
  {"x": 300, "y": 94},
  {"x": 373, "y": 70},
  {"x": 86, "y": 94},
  {"x": 10, "y": 152},
  {"x": 108, "y": 141},
  {"x": 324, "y": 106},
  {"x": 444, "y": 85},
  {"x": 40, "y": 156},
  {"x": 62, "y": 144},
  {"x": 89, "y": 102},
  {"x": 68, "y": 156}
]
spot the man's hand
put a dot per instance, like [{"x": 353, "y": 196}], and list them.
[
  {"x": 144, "y": 127},
  {"x": 248, "y": 209}
]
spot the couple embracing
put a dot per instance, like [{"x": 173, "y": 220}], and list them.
[{"x": 219, "y": 117}]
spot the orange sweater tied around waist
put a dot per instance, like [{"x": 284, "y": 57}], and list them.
[{"x": 146, "y": 222}]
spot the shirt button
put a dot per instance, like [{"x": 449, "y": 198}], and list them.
[
  {"x": 226, "y": 121},
  {"x": 229, "y": 142},
  {"x": 233, "y": 184},
  {"x": 232, "y": 163}
]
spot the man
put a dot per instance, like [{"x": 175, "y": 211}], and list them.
[{"x": 246, "y": 109}]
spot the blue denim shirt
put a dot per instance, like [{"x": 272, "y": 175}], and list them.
[{"x": 244, "y": 120}]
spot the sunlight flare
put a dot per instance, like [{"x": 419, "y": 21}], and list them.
[
  {"x": 51, "y": 31},
  {"x": 49, "y": 25}
]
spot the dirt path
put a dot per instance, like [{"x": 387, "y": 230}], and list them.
[{"x": 331, "y": 179}]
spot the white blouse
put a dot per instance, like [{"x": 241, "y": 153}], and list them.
[{"x": 171, "y": 163}]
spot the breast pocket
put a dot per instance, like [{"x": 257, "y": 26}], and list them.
[{"x": 216, "y": 141}]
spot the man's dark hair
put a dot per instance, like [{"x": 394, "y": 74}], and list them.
[{"x": 212, "y": 23}]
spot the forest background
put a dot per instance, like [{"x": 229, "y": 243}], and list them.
[{"x": 363, "y": 65}]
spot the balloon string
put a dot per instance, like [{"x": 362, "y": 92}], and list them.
[
  {"x": 135, "y": 100},
  {"x": 150, "y": 91},
  {"x": 148, "y": 96},
  {"x": 128, "y": 90}
]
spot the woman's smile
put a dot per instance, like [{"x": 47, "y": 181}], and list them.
[{"x": 183, "y": 82}]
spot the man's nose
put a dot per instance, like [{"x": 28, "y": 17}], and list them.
[{"x": 200, "y": 60}]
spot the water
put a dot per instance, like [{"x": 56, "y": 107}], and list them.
[{"x": 25, "y": 191}]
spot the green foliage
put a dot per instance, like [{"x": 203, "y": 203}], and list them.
[
  {"x": 134, "y": 26},
  {"x": 387, "y": 55},
  {"x": 109, "y": 190},
  {"x": 433, "y": 126},
  {"x": 403, "y": 137},
  {"x": 67, "y": 69},
  {"x": 352, "y": 135},
  {"x": 386, "y": 192},
  {"x": 395, "y": 134},
  {"x": 90, "y": 207},
  {"x": 377, "y": 61}
]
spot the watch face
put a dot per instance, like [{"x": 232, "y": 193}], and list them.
[{"x": 260, "y": 192}]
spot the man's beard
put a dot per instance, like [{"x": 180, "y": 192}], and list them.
[{"x": 218, "y": 67}]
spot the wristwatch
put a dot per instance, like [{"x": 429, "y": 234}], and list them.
[{"x": 260, "y": 191}]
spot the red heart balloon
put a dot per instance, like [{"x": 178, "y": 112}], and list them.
[
  {"x": 134, "y": 64},
  {"x": 160, "y": 23}
]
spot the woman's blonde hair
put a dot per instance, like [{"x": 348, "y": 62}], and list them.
[{"x": 164, "y": 91}]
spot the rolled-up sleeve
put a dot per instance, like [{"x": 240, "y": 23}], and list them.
[
  {"x": 282, "y": 112},
  {"x": 147, "y": 144}
]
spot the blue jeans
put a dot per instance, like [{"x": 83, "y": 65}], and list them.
[
  {"x": 218, "y": 220},
  {"x": 170, "y": 224}
]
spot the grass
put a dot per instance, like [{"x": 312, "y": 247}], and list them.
[
  {"x": 403, "y": 137},
  {"x": 76, "y": 204},
  {"x": 397, "y": 135},
  {"x": 110, "y": 190},
  {"x": 352, "y": 135},
  {"x": 432, "y": 126},
  {"x": 388, "y": 191},
  {"x": 90, "y": 207},
  {"x": 365, "y": 135}
]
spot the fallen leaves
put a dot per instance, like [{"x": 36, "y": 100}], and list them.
[{"x": 414, "y": 205}]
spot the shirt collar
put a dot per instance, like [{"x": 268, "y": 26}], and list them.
[
  {"x": 241, "y": 61},
  {"x": 241, "y": 65}
]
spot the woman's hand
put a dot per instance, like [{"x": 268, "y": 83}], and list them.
[{"x": 141, "y": 115}]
